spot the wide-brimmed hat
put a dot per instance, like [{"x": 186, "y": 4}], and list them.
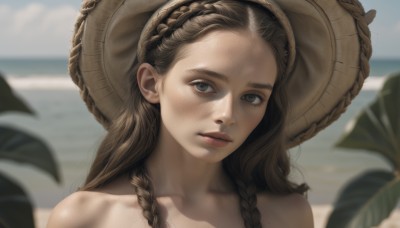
[{"x": 329, "y": 49}]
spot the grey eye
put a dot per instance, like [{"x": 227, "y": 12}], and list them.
[
  {"x": 252, "y": 98},
  {"x": 203, "y": 87}
]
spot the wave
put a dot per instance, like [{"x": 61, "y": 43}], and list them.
[
  {"x": 374, "y": 83},
  {"x": 63, "y": 82},
  {"x": 36, "y": 82}
]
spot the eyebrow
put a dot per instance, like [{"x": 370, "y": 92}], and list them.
[{"x": 225, "y": 78}]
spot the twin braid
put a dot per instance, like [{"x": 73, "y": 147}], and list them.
[
  {"x": 140, "y": 179},
  {"x": 143, "y": 188},
  {"x": 147, "y": 201},
  {"x": 176, "y": 20}
]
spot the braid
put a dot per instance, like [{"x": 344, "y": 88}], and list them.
[
  {"x": 183, "y": 25},
  {"x": 176, "y": 19},
  {"x": 248, "y": 205},
  {"x": 144, "y": 191}
]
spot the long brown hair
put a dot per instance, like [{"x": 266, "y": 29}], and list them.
[{"x": 261, "y": 163}]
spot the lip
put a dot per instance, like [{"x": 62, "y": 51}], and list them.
[
  {"x": 218, "y": 136},
  {"x": 216, "y": 139}
]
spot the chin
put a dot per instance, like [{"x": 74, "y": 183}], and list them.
[{"x": 210, "y": 155}]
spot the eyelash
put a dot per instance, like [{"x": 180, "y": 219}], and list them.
[
  {"x": 195, "y": 85},
  {"x": 257, "y": 96}
]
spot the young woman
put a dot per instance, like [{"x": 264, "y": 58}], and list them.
[{"x": 197, "y": 123}]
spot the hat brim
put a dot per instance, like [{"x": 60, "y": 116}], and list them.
[{"x": 332, "y": 46}]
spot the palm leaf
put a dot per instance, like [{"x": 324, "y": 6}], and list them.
[
  {"x": 366, "y": 201},
  {"x": 15, "y": 207},
  {"x": 377, "y": 128},
  {"x": 21, "y": 147},
  {"x": 9, "y": 101}
]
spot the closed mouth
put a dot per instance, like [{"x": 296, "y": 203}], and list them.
[{"x": 218, "y": 136}]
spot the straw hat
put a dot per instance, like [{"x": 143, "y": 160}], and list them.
[{"x": 329, "y": 49}]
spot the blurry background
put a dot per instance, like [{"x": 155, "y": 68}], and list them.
[{"x": 34, "y": 45}]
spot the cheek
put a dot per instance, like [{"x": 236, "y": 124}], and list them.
[
  {"x": 253, "y": 119},
  {"x": 178, "y": 102},
  {"x": 257, "y": 119}
]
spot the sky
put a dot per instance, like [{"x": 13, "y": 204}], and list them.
[{"x": 43, "y": 28}]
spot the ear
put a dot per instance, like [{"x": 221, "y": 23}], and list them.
[{"x": 147, "y": 78}]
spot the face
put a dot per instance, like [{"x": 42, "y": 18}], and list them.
[{"x": 216, "y": 93}]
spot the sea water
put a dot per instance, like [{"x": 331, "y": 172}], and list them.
[{"x": 62, "y": 120}]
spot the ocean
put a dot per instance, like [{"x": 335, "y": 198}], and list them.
[{"x": 63, "y": 121}]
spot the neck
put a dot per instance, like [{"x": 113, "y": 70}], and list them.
[{"x": 175, "y": 172}]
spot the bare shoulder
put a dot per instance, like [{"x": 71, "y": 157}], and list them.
[
  {"x": 112, "y": 205},
  {"x": 80, "y": 209},
  {"x": 291, "y": 210}
]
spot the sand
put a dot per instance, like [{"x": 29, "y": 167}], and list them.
[{"x": 320, "y": 215}]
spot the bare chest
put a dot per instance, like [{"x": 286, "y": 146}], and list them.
[
  {"x": 203, "y": 217},
  {"x": 174, "y": 216},
  {"x": 184, "y": 219}
]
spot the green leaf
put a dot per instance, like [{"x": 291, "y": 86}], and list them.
[
  {"x": 9, "y": 101},
  {"x": 22, "y": 147},
  {"x": 390, "y": 98},
  {"x": 377, "y": 127},
  {"x": 366, "y": 201},
  {"x": 15, "y": 207}
]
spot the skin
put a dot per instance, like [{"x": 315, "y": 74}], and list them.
[{"x": 220, "y": 83}]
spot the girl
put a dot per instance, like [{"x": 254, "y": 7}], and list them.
[{"x": 197, "y": 121}]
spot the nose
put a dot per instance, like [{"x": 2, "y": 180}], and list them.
[{"x": 224, "y": 111}]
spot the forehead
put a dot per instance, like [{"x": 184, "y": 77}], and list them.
[{"x": 230, "y": 52}]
